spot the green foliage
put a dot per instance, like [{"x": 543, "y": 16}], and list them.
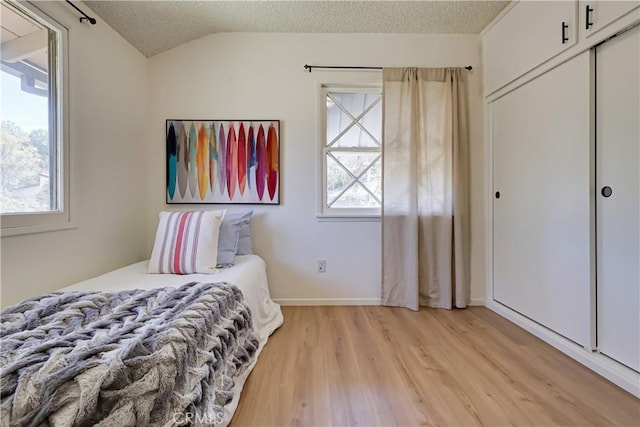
[
  {"x": 39, "y": 139},
  {"x": 23, "y": 158}
]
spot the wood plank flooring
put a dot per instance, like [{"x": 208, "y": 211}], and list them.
[{"x": 379, "y": 366}]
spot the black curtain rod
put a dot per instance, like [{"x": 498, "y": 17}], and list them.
[
  {"x": 341, "y": 67},
  {"x": 84, "y": 15}
]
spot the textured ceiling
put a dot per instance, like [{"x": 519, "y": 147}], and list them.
[{"x": 155, "y": 26}]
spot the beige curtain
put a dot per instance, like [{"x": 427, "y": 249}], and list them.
[{"x": 425, "y": 213}]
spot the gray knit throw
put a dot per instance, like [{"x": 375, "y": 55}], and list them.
[{"x": 157, "y": 357}]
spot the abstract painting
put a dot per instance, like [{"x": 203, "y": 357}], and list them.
[{"x": 223, "y": 161}]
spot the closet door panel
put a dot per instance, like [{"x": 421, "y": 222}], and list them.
[
  {"x": 618, "y": 216},
  {"x": 541, "y": 220},
  {"x": 602, "y": 13}
]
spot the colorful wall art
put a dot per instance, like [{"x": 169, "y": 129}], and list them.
[{"x": 217, "y": 161}]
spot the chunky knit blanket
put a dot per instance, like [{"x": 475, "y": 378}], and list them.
[{"x": 157, "y": 357}]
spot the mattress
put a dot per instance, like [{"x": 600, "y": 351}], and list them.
[{"x": 248, "y": 274}]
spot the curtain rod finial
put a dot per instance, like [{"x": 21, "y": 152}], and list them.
[{"x": 84, "y": 15}]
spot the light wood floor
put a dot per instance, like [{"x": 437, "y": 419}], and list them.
[{"x": 378, "y": 366}]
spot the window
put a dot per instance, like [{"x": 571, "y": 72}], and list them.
[
  {"x": 351, "y": 151},
  {"x": 33, "y": 176}
]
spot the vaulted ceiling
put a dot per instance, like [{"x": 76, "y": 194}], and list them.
[{"x": 155, "y": 26}]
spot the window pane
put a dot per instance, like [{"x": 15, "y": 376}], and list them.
[
  {"x": 372, "y": 179},
  {"x": 355, "y": 137},
  {"x": 342, "y": 188},
  {"x": 337, "y": 179},
  {"x": 352, "y": 151},
  {"x": 355, "y": 104},
  {"x": 355, "y": 162},
  {"x": 356, "y": 197},
  {"x": 28, "y": 159}
]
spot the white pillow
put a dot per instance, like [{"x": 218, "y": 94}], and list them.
[{"x": 186, "y": 242}]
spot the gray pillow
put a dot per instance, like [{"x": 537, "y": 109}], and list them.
[
  {"x": 228, "y": 243},
  {"x": 245, "y": 245}
]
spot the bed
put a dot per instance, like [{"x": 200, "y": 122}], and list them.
[
  {"x": 248, "y": 274},
  {"x": 246, "y": 281}
]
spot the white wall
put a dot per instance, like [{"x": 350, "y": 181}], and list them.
[
  {"x": 108, "y": 100},
  {"x": 261, "y": 76}
]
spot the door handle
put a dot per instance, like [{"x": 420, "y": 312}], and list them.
[
  {"x": 587, "y": 16},
  {"x": 606, "y": 191},
  {"x": 565, "y": 26}
]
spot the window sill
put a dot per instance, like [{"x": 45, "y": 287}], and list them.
[
  {"x": 347, "y": 218},
  {"x": 33, "y": 229}
]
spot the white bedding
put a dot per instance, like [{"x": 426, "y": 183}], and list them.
[{"x": 249, "y": 275}]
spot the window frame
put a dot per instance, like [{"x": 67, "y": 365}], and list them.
[
  {"x": 323, "y": 211},
  {"x": 13, "y": 224}
]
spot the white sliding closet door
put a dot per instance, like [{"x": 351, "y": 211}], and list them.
[
  {"x": 618, "y": 215},
  {"x": 541, "y": 220}
]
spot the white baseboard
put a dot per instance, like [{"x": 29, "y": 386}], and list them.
[
  {"x": 347, "y": 301},
  {"x": 618, "y": 374},
  {"x": 328, "y": 301}
]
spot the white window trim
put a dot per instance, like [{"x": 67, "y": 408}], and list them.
[
  {"x": 28, "y": 223},
  {"x": 337, "y": 214}
]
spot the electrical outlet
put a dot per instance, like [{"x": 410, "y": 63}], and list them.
[{"x": 322, "y": 266}]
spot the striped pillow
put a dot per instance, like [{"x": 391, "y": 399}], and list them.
[{"x": 186, "y": 242}]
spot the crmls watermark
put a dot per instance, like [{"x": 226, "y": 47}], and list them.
[{"x": 182, "y": 418}]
